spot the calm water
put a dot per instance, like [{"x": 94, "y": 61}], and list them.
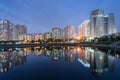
[{"x": 65, "y": 63}]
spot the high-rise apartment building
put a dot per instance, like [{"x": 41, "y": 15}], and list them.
[
  {"x": 97, "y": 23},
  {"x": 19, "y": 30},
  {"x": 100, "y": 24},
  {"x": 9, "y": 31},
  {"x": 69, "y": 32},
  {"x": 84, "y": 29},
  {"x": 56, "y": 33},
  {"x": 4, "y": 30},
  {"x": 111, "y": 24}
]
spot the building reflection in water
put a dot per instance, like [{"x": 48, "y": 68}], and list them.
[
  {"x": 38, "y": 51},
  {"x": 83, "y": 56},
  {"x": 66, "y": 53},
  {"x": 27, "y": 51},
  {"x": 97, "y": 61},
  {"x": 100, "y": 62},
  {"x": 9, "y": 59},
  {"x": 69, "y": 54}
]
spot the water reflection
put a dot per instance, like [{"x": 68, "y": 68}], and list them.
[
  {"x": 9, "y": 59},
  {"x": 83, "y": 56},
  {"x": 97, "y": 61},
  {"x": 100, "y": 61}
]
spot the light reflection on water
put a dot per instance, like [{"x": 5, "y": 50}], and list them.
[{"x": 97, "y": 61}]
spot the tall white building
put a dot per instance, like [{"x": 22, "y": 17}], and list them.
[
  {"x": 84, "y": 29},
  {"x": 97, "y": 23},
  {"x": 69, "y": 32},
  {"x": 56, "y": 33},
  {"x": 19, "y": 30},
  {"x": 111, "y": 24},
  {"x": 10, "y": 31},
  {"x": 4, "y": 30},
  {"x": 100, "y": 24}
]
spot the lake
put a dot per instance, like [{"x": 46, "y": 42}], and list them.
[{"x": 59, "y": 63}]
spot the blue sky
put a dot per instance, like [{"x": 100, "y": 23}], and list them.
[{"x": 42, "y": 15}]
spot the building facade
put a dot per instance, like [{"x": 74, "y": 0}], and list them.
[
  {"x": 111, "y": 24},
  {"x": 10, "y": 31},
  {"x": 19, "y": 30},
  {"x": 101, "y": 24},
  {"x": 38, "y": 37},
  {"x": 26, "y": 37},
  {"x": 4, "y": 30},
  {"x": 56, "y": 33},
  {"x": 84, "y": 29},
  {"x": 97, "y": 23},
  {"x": 69, "y": 32},
  {"x": 48, "y": 35}
]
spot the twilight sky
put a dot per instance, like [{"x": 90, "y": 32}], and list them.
[{"x": 42, "y": 15}]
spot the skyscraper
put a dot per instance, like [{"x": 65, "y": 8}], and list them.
[
  {"x": 101, "y": 24},
  {"x": 84, "y": 29},
  {"x": 97, "y": 23},
  {"x": 111, "y": 24}
]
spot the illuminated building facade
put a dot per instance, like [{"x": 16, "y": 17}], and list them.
[
  {"x": 100, "y": 24},
  {"x": 4, "y": 30},
  {"x": 69, "y": 32},
  {"x": 38, "y": 37},
  {"x": 84, "y": 29},
  {"x": 26, "y": 37},
  {"x": 56, "y": 33},
  {"x": 19, "y": 30},
  {"x": 9, "y": 31}
]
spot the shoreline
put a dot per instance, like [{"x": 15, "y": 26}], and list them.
[
  {"x": 116, "y": 48},
  {"x": 57, "y": 44}
]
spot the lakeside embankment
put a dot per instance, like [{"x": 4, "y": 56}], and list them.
[
  {"x": 116, "y": 48},
  {"x": 57, "y": 44}
]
